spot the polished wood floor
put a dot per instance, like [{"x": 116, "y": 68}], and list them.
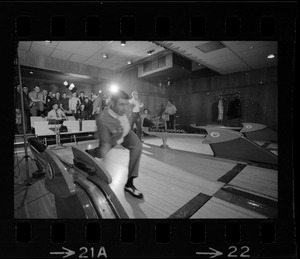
[{"x": 182, "y": 182}]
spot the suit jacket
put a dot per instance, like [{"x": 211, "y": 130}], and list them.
[
  {"x": 109, "y": 129},
  {"x": 97, "y": 103}
]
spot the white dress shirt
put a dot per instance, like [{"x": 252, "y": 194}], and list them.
[
  {"x": 57, "y": 115},
  {"x": 137, "y": 105},
  {"x": 124, "y": 124}
]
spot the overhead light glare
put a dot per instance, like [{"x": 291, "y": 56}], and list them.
[
  {"x": 66, "y": 83},
  {"x": 114, "y": 88},
  {"x": 31, "y": 72},
  {"x": 48, "y": 41},
  {"x": 129, "y": 62},
  {"x": 123, "y": 43},
  {"x": 270, "y": 56},
  {"x": 105, "y": 55}
]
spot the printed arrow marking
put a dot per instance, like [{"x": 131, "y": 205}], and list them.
[
  {"x": 67, "y": 253},
  {"x": 213, "y": 254}
]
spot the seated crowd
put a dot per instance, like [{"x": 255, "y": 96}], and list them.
[{"x": 55, "y": 105}]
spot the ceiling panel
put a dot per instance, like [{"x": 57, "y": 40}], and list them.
[
  {"x": 251, "y": 46},
  {"x": 236, "y": 54},
  {"x": 61, "y": 54},
  {"x": 260, "y": 53},
  {"x": 25, "y": 45},
  {"x": 232, "y": 43},
  {"x": 69, "y": 45},
  {"x": 51, "y": 44},
  {"x": 92, "y": 62},
  {"x": 78, "y": 58},
  {"x": 41, "y": 49},
  {"x": 88, "y": 48}
]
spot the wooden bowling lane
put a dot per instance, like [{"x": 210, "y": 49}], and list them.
[
  {"x": 252, "y": 193},
  {"x": 258, "y": 180},
  {"x": 175, "y": 183},
  {"x": 184, "y": 143},
  {"x": 217, "y": 208},
  {"x": 271, "y": 146}
]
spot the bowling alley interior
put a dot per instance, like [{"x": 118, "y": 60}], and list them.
[{"x": 204, "y": 115}]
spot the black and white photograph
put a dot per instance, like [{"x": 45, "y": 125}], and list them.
[{"x": 146, "y": 130}]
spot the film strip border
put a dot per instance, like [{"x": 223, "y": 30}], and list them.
[
  {"x": 146, "y": 239},
  {"x": 151, "y": 238},
  {"x": 149, "y": 20}
]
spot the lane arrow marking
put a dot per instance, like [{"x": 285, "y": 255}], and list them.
[
  {"x": 67, "y": 253},
  {"x": 213, "y": 254}
]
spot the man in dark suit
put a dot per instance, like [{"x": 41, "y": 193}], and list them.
[{"x": 114, "y": 127}]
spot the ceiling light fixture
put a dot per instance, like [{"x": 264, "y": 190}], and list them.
[
  {"x": 105, "y": 55},
  {"x": 271, "y": 56},
  {"x": 150, "y": 52},
  {"x": 123, "y": 43},
  {"x": 48, "y": 41},
  {"x": 66, "y": 83},
  {"x": 31, "y": 72},
  {"x": 129, "y": 62},
  {"x": 71, "y": 87}
]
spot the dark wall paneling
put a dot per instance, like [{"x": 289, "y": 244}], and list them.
[
  {"x": 54, "y": 86},
  {"x": 194, "y": 97}
]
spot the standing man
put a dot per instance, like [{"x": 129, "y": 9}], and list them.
[
  {"x": 18, "y": 107},
  {"x": 64, "y": 104},
  {"x": 170, "y": 113},
  {"x": 88, "y": 108},
  {"x": 26, "y": 107},
  {"x": 136, "y": 115},
  {"x": 49, "y": 102},
  {"x": 81, "y": 97},
  {"x": 114, "y": 127},
  {"x": 97, "y": 105},
  {"x": 37, "y": 101},
  {"x": 74, "y": 102}
]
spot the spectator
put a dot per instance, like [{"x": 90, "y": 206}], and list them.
[
  {"x": 136, "y": 117},
  {"x": 37, "y": 102},
  {"x": 146, "y": 119},
  {"x": 57, "y": 99},
  {"x": 169, "y": 114},
  {"x": 88, "y": 108},
  {"x": 97, "y": 104},
  {"x": 56, "y": 113},
  {"x": 49, "y": 104},
  {"x": 45, "y": 94},
  {"x": 81, "y": 97},
  {"x": 27, "y": 108},
  {"x": 73, "y": 103},
  {"x": 64, "y": 105},
  {"x": 18, "y": 109}
]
